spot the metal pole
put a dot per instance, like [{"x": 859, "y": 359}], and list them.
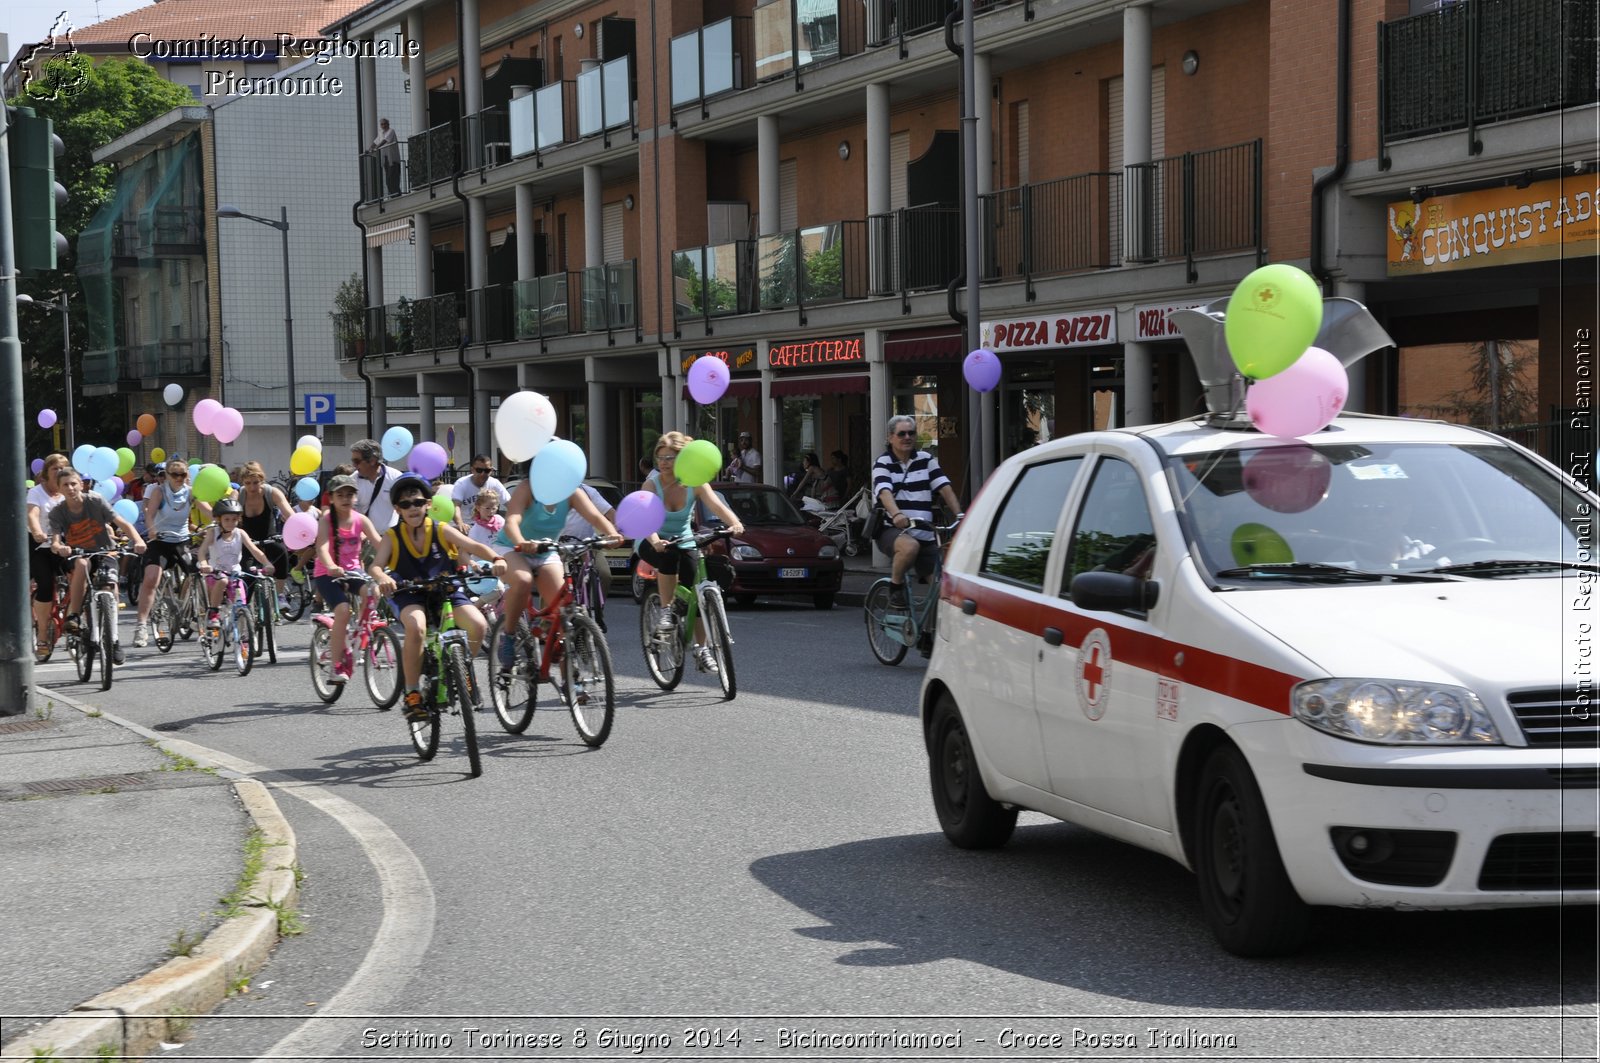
[
  {"x": 66, "y": 372},
  {"x": 16, "y": 650},
  {"x": 969, "y": 169},
  {"x": 288, "y": 323}
]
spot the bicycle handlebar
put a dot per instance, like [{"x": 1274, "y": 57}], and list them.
[
  {"x": 115, "y": 551},
  {"x": 458, "y": 579}
]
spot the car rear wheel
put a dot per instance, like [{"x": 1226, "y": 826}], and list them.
[
  {"x": 1245, "y": 893},
  {"x": 968, "y": 815}
]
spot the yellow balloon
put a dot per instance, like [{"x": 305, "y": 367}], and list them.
[
  {"x": 157, "y": 454},
  {"x": 305, "y": 461}
]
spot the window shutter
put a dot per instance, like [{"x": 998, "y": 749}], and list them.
[
  {"x": 1022, "y": 143},
  {"x": 788, "y": 195},
  {"x": 611, "y": 228}
]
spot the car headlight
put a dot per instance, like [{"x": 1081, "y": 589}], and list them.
[
  {"x": 828, "y": 551},
  {"x": 1392, "y": 712},
  {"x": 745, "y": 553}
]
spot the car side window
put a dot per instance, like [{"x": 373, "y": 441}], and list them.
[
  {"x": 1025, "y": 527},
  {"x": 1114, "y": 532}
]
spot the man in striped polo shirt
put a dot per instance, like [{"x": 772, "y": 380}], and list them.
[{"x": 904, "y": 480}]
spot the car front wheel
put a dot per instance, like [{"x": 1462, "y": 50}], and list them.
[{"x": 968, "y": 815}]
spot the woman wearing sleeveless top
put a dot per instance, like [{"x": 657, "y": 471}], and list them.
[
  {"x": 340, "y": 534},
  {"x": 166, "y": 519},
  {"x": 265, "y": 510},
  {"x": 665, "y": 550}
]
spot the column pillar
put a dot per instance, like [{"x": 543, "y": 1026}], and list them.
[
  {"x": 771, "y": 210},
  {"x": 482, "y": 438},
  {"x": 523, "y": 196},
  {"x": 593, "y": 216},
  {"x": 422, "y": 227},
  {"x": 670, "y": 421},
  {"x": 772, "y": 456},
  {"x": 416, "y": 77},
  {"x": 599, "y": 443},
  {"x": 1137, "y": 407},
  {"x": 471, "y": 59},
  {"x": 428, "y": 426},
  {"x": 367, "y": 76},
  {"x": 878, "y": 247},
  {"x": 1137, "y": 200},
  {"x": 378, "y": 416}
]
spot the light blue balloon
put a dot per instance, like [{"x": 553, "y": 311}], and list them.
[
  {"x": 127, "y": 509},
  {"x": 103, "y": 463},
  {"x": 397, "y": 443},
  {"x": 109, "y": 488},
  {"x": 306, "y": 489},
  {"x": 557, "y": 470},
  {"x": 81, "y": 458}
]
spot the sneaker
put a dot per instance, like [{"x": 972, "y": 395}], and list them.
[
  {"x": 341, "y": 671},
  {"x": 141, "y": 634},
  {"x": 704, "y": 661},
  {"x": 415, "y": 709},
  {"x": 71, "y": 626},
  {"x": 666, "y": 625},
  {"x": 297, "y": 574},
  {"x": 897, "y": 595},
  {"x": 116, "y": 653},
  {"x": 508, "y": 654}
]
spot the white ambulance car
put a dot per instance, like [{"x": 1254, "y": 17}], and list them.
[{"x": 1353, "y": 670}]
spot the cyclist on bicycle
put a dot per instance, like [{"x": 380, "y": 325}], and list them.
[
  {"x": 340, "y": 534},
  {"x": 166, "y": 517},
  {"x": 44, "y": 565},
  {"x": 670, "y": 549},
  {"x": 265, "y": 510},
  {"x": 83, "y": 522},
  {"x": 904, "y": 481},
  {"x": 222, "y": 550},
  {"x": 421, "y": 548},
  {"x": 528, "y": 523}
]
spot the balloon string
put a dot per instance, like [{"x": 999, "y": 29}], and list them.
[{"x": 1216, "y": 458}]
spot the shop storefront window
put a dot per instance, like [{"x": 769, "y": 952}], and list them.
[
  {"x": 918, "y": 396},
  {"x": 1028, "y": 412}
]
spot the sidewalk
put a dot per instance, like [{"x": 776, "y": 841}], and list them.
[{"x": 117, "y": 859}]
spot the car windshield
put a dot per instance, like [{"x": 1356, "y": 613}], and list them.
[
  {"x": 760, "y": 507},
  {"x": 1281, "y": 511}
]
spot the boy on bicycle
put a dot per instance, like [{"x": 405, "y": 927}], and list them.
[
  {"x": 421, "y": 548},
  {"x": 84, "y": 522}
]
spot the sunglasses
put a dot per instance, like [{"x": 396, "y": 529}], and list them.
[
  {"x": 178, "y": 475},
  {"x": 481, "y": 472},
  {"x": 906, "y": 435},
  {"x": 411, "y": 503}
]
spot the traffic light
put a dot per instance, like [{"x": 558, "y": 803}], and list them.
[{"x": 35, "y": 193}]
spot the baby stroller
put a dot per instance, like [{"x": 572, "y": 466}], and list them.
[{"x": 846, "y": 524}]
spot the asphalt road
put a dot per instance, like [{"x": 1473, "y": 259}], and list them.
[{"x": 765, "y": 878}]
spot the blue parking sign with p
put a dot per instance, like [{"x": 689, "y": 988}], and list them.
[{"x": 319, "y": 408}]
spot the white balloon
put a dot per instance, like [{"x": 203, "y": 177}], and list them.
[
  {"x": 173, "y": 393},
  {"x": 524, "y": 423},
  {"x": 309, "y": 441}
]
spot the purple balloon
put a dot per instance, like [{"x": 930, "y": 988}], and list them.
[
  {"x": 135, "y": 437},
  {"x": 640, "y": 514},
  {"x": 708, "y": 379},
  {"x": 37, "y": 466},
  {"x": 428, "y": 460},
  {"x": 47, "y": 418},
  {"x": 982, "y": 369}
]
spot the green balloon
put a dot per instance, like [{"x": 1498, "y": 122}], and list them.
[
  {"x": 698, "y": 463},
  {"x": 211, "y": 483},
  {"x": 125, "y": 460},
  {"x": 1273, "y": 316},
  {"x": 1257, "y": 544},
  {"x": 442, "y": 508},
  {"x": 29, "y": 484}
]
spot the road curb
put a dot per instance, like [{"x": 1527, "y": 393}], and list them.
[{"x": 133, "y": 1019}]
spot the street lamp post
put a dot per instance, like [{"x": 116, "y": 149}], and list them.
[
  {"x": 282, "y": 226},
  {"x": 60, "y": 303}
]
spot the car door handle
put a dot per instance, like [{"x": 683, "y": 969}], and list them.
[
  {"x": 1052, "y": 636},
  {"x": 969, "y": 607}
]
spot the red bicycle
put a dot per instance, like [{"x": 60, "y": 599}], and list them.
[{"x": 367, "y": 635}]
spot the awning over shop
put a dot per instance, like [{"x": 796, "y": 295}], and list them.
[
  {"x": 855, "y": 384},
  {"x": 737, "y": 389},
  {"x": 928, "y": 345},
  {"x": 390, "y": 232}
]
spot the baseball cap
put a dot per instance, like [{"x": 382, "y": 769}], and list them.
[
  {"x": 154, "y": 468},
  {"x": 338, "y": 483}
]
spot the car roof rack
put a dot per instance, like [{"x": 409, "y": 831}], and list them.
[{"x": 1349, "y": 332}]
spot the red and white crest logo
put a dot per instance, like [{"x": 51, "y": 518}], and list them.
[{"x": 1094, "y": 673}]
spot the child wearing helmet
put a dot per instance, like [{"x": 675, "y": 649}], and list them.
[
  {"x": 420, "y": 548},
  {"x": 222, "y": 550}
]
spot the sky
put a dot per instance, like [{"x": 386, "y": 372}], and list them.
[{"x": 28, "y": 21}]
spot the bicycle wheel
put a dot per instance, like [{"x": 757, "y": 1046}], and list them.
[
  {"x": 720, "y": 639},
  {"x": 214, "y": 642},
  {"x": 380, "y": 667},
  {"x": 594, "y": 594},
  {"x": 515, "y": 692},
  {"x": 664, "y": 659},
  {"x": 244, "y": 640},
  {"x": 262, "y": 615},
  {"x": 425, "y": 733},
  {"x": 464, "y": 693},
  {"x": 586, "y": 679},
  {"x": 106, "y": 605},
  {"x": 321, "y": 658},
  {"x": 295, "y": 595},
  {"x": 81, "y": 647},
  {"x": 885, "y": 647},
  {"x": 162, "y": 622},
  {"x": 191, "y": 608}
]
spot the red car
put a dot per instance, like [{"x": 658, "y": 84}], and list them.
[{"x": 778, "y": 552}]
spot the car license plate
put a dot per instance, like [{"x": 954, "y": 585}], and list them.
[
  {"x": 792, "y": 573},
  {"x": 618, "y": 564}
]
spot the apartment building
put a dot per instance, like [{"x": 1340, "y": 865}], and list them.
[{"x": 609, "y": 191}]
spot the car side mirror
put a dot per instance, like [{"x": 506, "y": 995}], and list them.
[{"x": 1113, "y": 592}]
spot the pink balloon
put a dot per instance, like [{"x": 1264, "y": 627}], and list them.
[
  {"x": 135, "y": 437},
  {"x": 982, "y": 369},
  {"x": 428, "y": 460},
  {"x": 708, "y": 379},
  {"x": 640, "y": 514},
  {"x": 205, "y": 415},
  {"x": 47, "y": 418},
  {"x": 1287, "y": 479},
  {"x": 299, "y": 531},
  {"x": 1301, "y": 399},
  {"x": 227, "y": 424}
]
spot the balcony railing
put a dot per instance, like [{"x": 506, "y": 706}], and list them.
[
  {"x": 712, "y": 60},
  {"x": 605, "y": 99},
  {"x": 1484, "y": 61},
  {"x": 178, "y": 230},
  {"x": 717, "y": 280},
  {"x": 411, "y": 325},
  {"x": 915, "y": 249},
  {"x": 486, "y": 139},
  {"x": 892, "y": 21},
  {"x": 542, "y": 307},
  {"x": 380, "y": 180},
  {"x": 432, "y": 155},
  {"x": 142, "y": 365},
  {"x": 791, "y": 35},
  {"x": 99, "y": 368},
  {"x": 799, "y": 268},
  {"x": 170, "y": 358},
  {"x": 539, "y": 119}
]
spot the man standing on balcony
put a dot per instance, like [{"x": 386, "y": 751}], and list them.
[{"x": 387, "y": 145}]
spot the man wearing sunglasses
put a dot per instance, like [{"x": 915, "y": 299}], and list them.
[
  {"x": 374, "y": 482},
  {"x": 465, "y": 492},
  {"x": 904, "y": 480},
  {"x": 166, "y": 519}
]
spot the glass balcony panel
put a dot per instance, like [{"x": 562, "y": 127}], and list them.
[
  {"x": 622, "y": 278},
  {"x": 549, "y": 124},
  {"x": 616, "y": 96},
  {"x": 685, "y": 68},
  {"x": 777, "y": 268},
  {"x": 822, "y": 251},
  {"x": 819, "y": 30},
  {"x": 552, "y": 312},
  {"x": 590, "y": 103},
  {"x": 774, "y": 39},
  {"x": 100, "y": 367},
  {"x": 720, "y": 60},
  {"x": 522, "y": 125}
]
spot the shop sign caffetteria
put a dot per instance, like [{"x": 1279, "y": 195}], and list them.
[
  {"x": 815, "y": 352},
  {"x": 740, "y": 358},
  {"x": 1081, "y": 328}
]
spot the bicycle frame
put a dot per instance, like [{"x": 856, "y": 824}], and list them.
[
  {"x": 364, "y": 617},
  {"x": 548, "y": 623}
]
